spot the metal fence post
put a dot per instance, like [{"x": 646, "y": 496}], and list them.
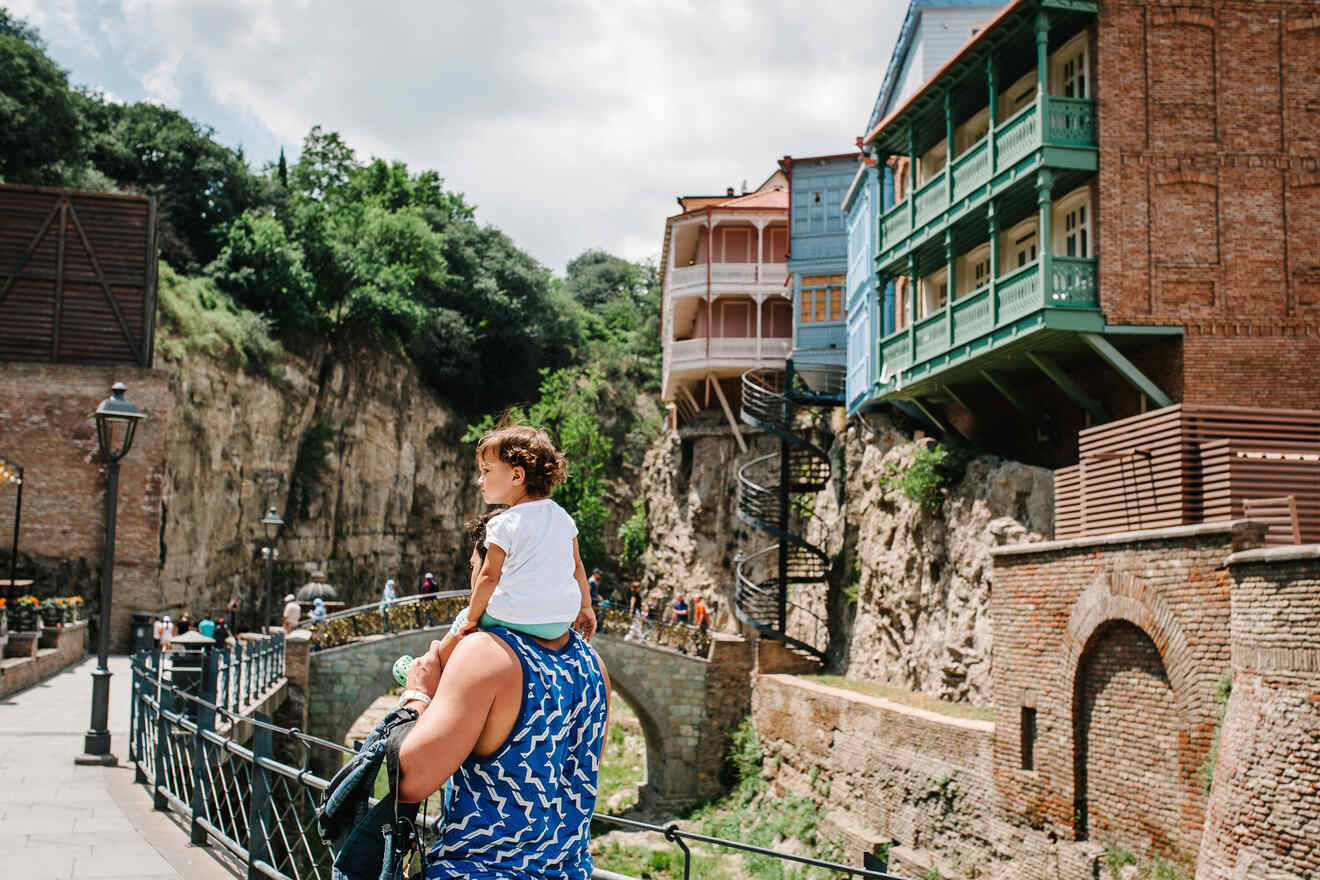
[
  {"x": 136, "y": 721},
  {"x": 166, "y": 704},
  {"x": 259, "y": 804},
  {"x": 205, "y": 722}
]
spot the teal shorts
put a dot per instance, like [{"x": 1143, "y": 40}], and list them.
[{"x": 539, "y": 630}]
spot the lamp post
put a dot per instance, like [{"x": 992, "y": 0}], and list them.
[
  {"x": 272, "y": 523},
  {"x": 116, "y": 422},
  {"x": 9, "y": 471}
]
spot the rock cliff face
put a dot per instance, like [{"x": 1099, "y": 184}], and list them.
[
  {"x": 922, "y": 581},
  {"x": 690, "y": 484},
  {"x": 382, "y": 490},
  {"x": 910, "y": 590}
]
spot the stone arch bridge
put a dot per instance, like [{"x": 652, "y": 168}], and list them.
[{"x": 688, "y": 704}]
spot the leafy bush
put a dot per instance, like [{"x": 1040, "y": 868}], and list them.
[
  {"x": 634, "y": 534},
  {"x": 1223, "y": 689}
]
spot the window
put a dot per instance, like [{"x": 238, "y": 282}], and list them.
[
  {"x": 1072, "y": 224},
  {"x": 981, "y": 273},
  {"x": 1075, "y": 233},
  {"x": 1070, "y": 68},
  {"x": 973, "y": 270},
  {"x": 1024, "y": 249},
  {"x": 821, "y": 299},
  {"x": 934, "y": 293},
  {"x": 1018, "y": 95},
  {"x": 1028, "y": 738}
]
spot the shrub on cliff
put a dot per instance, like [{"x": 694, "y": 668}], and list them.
[{"x": 196, "y": 316}]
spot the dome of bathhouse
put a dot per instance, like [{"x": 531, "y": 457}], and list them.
[{"x": 317, "y": 588}]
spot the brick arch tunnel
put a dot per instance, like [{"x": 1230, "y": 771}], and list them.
[{"x": 688, "y": 706}]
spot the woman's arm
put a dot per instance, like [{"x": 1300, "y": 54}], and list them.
[{"x": 480, "y": 672}]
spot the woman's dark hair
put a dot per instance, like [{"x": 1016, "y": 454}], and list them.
[
  {"x": 476, "y": 530},
  {"x": 544, "y": 467}
]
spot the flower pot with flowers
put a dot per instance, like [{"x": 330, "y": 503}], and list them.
[
  {"x": 74, "y": 609},
  {"x": 66, "y": 610},
  {"x": 23, "y": 614},
  {"x": 4, "y": 618},
  {"x": 52, "y": 612}
]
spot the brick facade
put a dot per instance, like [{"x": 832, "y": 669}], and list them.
[
  {"x": 1115, "y": 644},
  {"x": 1208, "y": 214},
  {"x": 53, "y": 435}
]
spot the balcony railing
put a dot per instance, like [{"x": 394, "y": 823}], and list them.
[
  {"x": 1069, "y": 122},
  {"x": 689, "y": 279},
  {"x": 687, "y": 352},
  {"x": 1072, "y": 285}
]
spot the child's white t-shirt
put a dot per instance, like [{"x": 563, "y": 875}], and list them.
[{"x": 536, "y": 582}]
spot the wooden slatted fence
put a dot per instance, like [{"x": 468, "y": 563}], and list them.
[
  {"x": 1187, "y": 464},
  {"x": 77, "y": 276}
]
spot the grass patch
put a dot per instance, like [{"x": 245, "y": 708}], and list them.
[
  {"x": 906, "y": 697},
  {"x": 1158, "y": 868},
  {"x": 195, "y": 315},
  {"x": 622, "y": 762}
]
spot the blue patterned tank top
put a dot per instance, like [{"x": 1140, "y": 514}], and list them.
[{"x": 525, "y": 810}]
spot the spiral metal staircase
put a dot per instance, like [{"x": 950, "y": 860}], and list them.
[{"x": 775, "y": 495}]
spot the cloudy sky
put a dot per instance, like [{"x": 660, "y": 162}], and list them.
[{"x": 569, "y": 124}]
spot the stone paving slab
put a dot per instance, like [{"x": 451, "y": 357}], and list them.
[{"x": 59, "y": 821}]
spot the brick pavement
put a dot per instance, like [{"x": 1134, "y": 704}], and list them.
[{"x": 59, "y": 821}]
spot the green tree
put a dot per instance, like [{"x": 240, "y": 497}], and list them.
[
  {"x": 41, "y": 135},
  {"x": 200, "y": 184},
  {"x": 262, "y": 269}
]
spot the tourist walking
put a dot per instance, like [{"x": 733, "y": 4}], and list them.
[
  {"x": 429, "y": 585},
  {"x": 318, "y": 614},
  {"x": 221, "y": 633},
  {"x": 292, "y": 613},
  {"x": 680, "y": 610},
  {"x": 700, "y": 616},
  {"x": 388, "y": 596}
]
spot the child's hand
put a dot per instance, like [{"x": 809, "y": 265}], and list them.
[
  {"x": 469, "y": 626},
  {"x": 586, "y": 622}
]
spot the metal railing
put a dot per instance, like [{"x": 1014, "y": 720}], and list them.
[
  {"x": 682, "y": 637},
  {"x": 401, "y": 615},
  {"x": 262, "y": 810}
]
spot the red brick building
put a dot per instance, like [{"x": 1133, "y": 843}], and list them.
[{"x": 1096, "y": 209}]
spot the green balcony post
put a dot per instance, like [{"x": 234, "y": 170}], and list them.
[
  {"x": 912, "y": 178},
  {"x": 912, "y": 309},
  {"x": 951, "y": 280},
  {"x": 1044, "y": 187},
  {"x": 991, "y": 76},
  {"x": 992, "y": 221},
  {"x": 1042, "y": 59},
  {"x": 948, "y": 147}
]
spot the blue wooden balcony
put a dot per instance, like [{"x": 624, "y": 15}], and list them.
[
  {"x": 1055, "y": 294},
  {"x": 989, "y": 168}
]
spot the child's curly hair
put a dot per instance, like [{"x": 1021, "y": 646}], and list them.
[{"x": 526, "y": 447}]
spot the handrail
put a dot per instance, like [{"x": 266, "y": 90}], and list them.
[
  {"x": 262, "y": 810},
  {"x": 402, "y": 600}
]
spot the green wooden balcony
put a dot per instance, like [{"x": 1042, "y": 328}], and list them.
[
  {"x": 1021, "y": 143},
  {"x": 1057, "y": 293}
]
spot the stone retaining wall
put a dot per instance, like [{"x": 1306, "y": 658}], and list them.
[{"x": 66, "y": 647}]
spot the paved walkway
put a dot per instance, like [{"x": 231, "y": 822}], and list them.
[{"x": 59, "y": 821}]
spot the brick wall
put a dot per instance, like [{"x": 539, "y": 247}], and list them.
[
  {"x": 1136, "y": 626},
  {"x": 1263, "y": 818},
  {"x": 885, "y": 773},
  {"x": 1209, "y": 205},
  {"x": 46, "y": 425}
]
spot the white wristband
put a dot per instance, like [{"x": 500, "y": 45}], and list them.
[{"x": 411, "y": 695}]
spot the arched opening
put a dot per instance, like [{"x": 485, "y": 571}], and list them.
[
  {"x": 1129, "y": 785},
  {"x": 652, "y": 758}
]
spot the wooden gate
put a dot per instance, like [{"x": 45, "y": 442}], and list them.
[{"x": 77, "y": 276}]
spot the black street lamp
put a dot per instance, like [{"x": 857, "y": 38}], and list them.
[
  {"x": 11, "y": 472},
  {"x": 116, "y": 422},
  {"x": 272, "y": 523}
]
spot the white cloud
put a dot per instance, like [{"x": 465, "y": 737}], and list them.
[{"x": 570, "y": 124}]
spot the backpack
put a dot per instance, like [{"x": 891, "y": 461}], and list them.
[{"x": 370, "y": 841}]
